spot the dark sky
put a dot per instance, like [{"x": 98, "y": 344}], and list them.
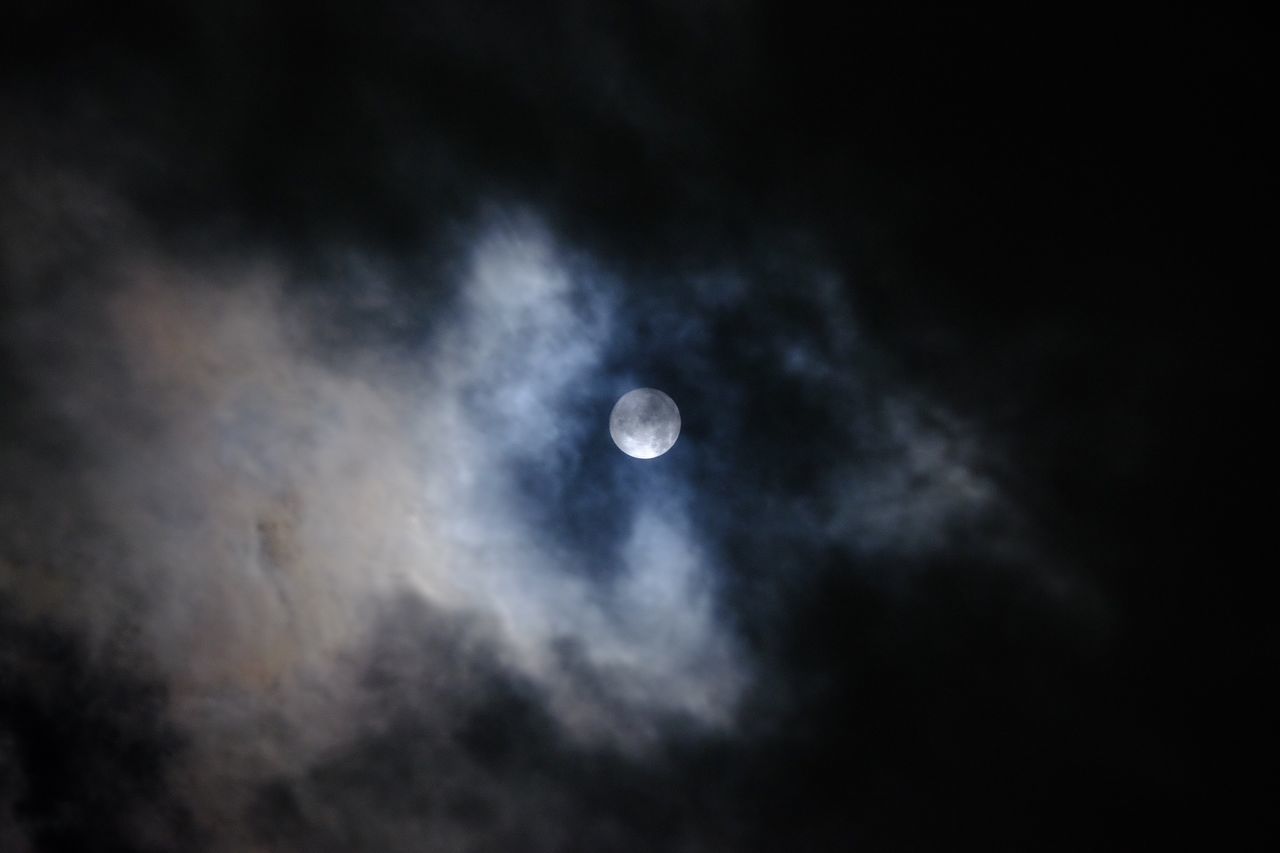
[{"x": 312, "y": 536}]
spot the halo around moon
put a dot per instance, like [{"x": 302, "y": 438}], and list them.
[{"x": 644, "y": 423}]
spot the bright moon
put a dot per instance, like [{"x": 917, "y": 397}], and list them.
[{"x": 644, "y": 423}]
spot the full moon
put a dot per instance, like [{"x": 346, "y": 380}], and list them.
[{"x": 644, "y": 423}]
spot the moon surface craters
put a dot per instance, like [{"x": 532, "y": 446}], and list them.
[{"x": 644, "y": 423}]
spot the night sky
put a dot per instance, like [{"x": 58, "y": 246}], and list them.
[{"x": 312, "y": 534}]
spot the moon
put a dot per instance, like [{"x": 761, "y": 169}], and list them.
[{"x": 644, "y": 423}]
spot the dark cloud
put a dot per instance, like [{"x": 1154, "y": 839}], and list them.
[
  {"x": 87, "y": 749},
  {"x": 311, "y": 533}
]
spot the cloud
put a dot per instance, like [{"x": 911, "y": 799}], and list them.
[
  {"x": 260, "y": 504},
  {"x": 332, "y": 542}
]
